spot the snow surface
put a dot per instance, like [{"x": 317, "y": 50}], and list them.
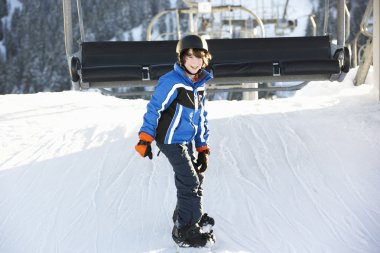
[{"x": 290, "y": 175}]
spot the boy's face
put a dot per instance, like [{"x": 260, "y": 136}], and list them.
[{"x": 192, "y": 63}]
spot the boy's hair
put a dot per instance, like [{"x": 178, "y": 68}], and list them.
[{"x": 199, "y": 53}]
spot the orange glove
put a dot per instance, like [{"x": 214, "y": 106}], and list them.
[
  {"x": 202, "y": 161},
  {"x": 143, "y": 146}
]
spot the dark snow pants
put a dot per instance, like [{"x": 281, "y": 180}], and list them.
[{"x": 187, "y": 181}]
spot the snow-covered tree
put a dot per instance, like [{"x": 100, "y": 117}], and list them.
[{"x": 35, "y": 56}]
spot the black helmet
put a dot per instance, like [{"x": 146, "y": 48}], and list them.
[{"x": 191, "y": 41}]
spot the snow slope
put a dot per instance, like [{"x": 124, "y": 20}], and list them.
[{"x": 292, "y": 175}]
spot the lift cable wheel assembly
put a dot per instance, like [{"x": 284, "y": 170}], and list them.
[{"x": 107, "y": 64}]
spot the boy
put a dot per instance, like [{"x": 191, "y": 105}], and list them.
[{"x": 175, "y": 117}]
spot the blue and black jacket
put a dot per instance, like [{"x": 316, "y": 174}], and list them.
[{"x": 176, "y": 113}]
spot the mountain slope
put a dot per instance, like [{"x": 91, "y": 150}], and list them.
[{"x": 291, "y": 175}]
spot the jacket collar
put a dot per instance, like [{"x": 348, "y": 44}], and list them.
[{"x": 203, "y": 77}]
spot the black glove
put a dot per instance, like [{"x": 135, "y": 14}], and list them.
[
  {"x": 202, "y": 160},
  {"x": 144, "y": 149}
]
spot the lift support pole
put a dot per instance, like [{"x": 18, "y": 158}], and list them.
[
  {"x": 341, "y": 23},
  {"x": 68, "y": 28},
  {"x": 376, "y": 43}
]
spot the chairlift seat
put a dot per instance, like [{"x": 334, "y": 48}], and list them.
[
  {"x": 297, "y": 58},
  {"x": 124, "y": 60},
  {"x": 260, "y": 57}
]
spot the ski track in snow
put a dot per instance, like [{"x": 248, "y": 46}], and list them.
[{"x": 303, "y": 179}]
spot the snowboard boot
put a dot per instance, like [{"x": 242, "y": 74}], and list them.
[
  {"x": 192, "y": 236},
  {"x": 206, "y": 220}
]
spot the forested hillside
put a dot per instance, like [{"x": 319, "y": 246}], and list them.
[{"x": 33, "y": 56}]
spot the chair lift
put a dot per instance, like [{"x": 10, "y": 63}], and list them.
[
  {"x": 365, "y": 55},
  {"x": 203, "y": 9},
  {"x": 107, "y": 64},
  {"x": 283, "y": 24}
]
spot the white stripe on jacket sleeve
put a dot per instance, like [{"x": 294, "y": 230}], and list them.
[{"x": 175, "y": 125}]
